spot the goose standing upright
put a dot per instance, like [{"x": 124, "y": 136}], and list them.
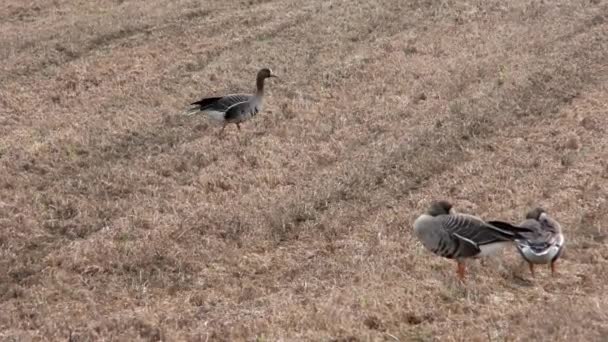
[
  {"x": 459, "y": 236},
  {"x": 544, "y": 245},
  {"x": 233, "y": 108}
]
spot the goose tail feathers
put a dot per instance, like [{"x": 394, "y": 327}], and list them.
[{"x": 512, "y": 231}]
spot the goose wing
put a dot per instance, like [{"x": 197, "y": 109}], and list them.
[
  {"x": 239, "y": 110},
  {"x": 439, "y": 234},
  {"x": 476, "y": 231},
  {"x": 221, "y": 104}
]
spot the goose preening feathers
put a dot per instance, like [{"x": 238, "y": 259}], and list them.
[
  {"x": 459, "y": 236},
  {"x": 234, "y": 108},
  {"x": 545, "y": 242}
]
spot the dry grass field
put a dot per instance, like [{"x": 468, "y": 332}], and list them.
[{"x": 123, "y": 220}]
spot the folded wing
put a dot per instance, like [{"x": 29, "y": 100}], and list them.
[
  {"x": 221, "y": 104},
  {"x": 481, "y": 232}
]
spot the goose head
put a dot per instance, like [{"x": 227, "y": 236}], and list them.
[
  {"x": 546, "y": 221},
  {"x": 265, "y": 73},
  {"x": 440, "y": 208}
]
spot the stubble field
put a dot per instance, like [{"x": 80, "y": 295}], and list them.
[{"x": 123, "y": 220}]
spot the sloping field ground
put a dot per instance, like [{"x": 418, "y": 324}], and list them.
[{"x": 121, "y": 219}]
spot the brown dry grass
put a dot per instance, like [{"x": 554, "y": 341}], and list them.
[{"x": 122, "y": 220}]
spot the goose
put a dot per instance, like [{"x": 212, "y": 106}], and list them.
[
  {"x": 233, "y": 108},
  {"x": 544, "y": 245},
  {"x": 460, "y": 236}
]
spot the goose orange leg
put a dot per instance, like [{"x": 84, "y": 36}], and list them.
[
  {"x": 531, "y": 266},
  {"x": 460, "y": 270}
]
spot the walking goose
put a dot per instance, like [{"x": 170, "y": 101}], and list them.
[
  {"x": 459, "y": 236},
  {"x": 233, "y": 108},
  {"x": 544, "y": 244}
]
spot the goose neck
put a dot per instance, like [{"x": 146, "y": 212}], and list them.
[{"x": 260, "y": 86}]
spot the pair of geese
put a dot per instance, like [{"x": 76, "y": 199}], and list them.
[
  {"x": 441, "y": 230},
  {"x": 458, "y": 236}
]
